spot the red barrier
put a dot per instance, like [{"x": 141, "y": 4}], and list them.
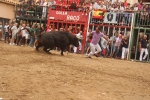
[
  {"x": 67, "y": 16},
  {"x": 64, "y": 19}
]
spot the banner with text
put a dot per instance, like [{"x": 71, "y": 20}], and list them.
[{"x": 67, "y": 16}]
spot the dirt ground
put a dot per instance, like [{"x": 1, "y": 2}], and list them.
[{"x": 26, "y": 74}]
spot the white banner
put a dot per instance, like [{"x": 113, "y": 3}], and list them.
[{"x": 110, "y": 17}]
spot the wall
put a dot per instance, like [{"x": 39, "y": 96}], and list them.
[
  {"x": 6, "y": 10},
  {"x": 6, "y": 14}
]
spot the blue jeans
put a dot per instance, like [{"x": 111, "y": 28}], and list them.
[
  {"x": 107, "y": 51},
  {"x": 6, "y": 35},
  {"x": 116, "y": 51},
  {"x": 31, "y": 41}
]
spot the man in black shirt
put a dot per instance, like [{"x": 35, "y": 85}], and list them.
[
  {"x": 73, "y": 5},
  {"x": 143, "y": 48},
  {"x": 125, "y": 43}
]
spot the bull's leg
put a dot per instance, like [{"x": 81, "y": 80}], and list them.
[
  {"x": 62, "y": 50},
  {"x": 50, "y": 48},
  {"x": 45, "y": 49},
  {"x": 37, "y": 47}
]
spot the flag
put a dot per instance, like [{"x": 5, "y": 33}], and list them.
[{"x": 98, "y": 14}]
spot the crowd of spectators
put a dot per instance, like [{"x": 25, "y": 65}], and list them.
[
  {"x": 39, "y": 9},
  {"x": 120, "y": 6},
  {"x": 22, "y": 35},
  {"x": 111, "y": 46},
  {"x": 26, "y": 35},
  {"x": 89, "y": 5}
]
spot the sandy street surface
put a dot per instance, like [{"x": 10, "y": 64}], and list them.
[{"x": 26, "y": 74}]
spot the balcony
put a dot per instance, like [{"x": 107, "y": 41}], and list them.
[
  {"x": 142, "y": 19},
  {"x": 31, "y": 12}
]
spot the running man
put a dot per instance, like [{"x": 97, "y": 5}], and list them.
[{"x": 94, "y": 43}]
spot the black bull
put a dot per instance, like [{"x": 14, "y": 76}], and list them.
[{"x": 59, "y": 39}]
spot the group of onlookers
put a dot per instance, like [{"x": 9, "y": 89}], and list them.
[
  {"x": 39, "y": 8},
  {"x": 120, "y": 6},
  {"x": 26, "y": 35},
  {"x": 22, "y": 35},
  {"x": 99, "y": 43},
  {"x": 107, "y": 46},
  {"x": 109, "y": 5},
  {"x": 31, "y": 8}
]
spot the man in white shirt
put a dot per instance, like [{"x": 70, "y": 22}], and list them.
[
  {"x": 6, "y": 32},
  {"x": 104, "y": 42},
  {"x": 27, "y": 34},
  {"x": 14, "y": 33},
  {"x": 91, "y": 6},
  {"x": 1, "y": 30},
  {"x": 45, "y": 4},
  {"x": 135, "y": 7},
  {"x": 104, "y": 45},
  {"x": 52, "y": 4},
  {"x": 24, "y": 32},
  {"x": 80, "y": 37},
  {"x": 96, "y": 5}
]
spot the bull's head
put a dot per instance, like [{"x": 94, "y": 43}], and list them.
[{"x": 75, "y": 41}]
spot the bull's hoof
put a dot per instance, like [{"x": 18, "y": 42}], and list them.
[
  {"x": 62, "y": 54},
  {"x": 67, "y": 52},
  {"x": 37, "y": 49},
  {"x": 47, "y": 51}
]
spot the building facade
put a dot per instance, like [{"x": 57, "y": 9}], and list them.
[{"x": 7, "y": 8}]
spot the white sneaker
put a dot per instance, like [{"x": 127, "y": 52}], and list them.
[
  {"x": 13, "y": 44},
  {"x": 10, "y": 44},
  {"x": 34, "y": 46},
  {"x": 66, "y": 51}
]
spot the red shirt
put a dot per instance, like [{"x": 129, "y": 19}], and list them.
[
  {"x": 125, "y": 4},
  {"x": 90, "y": 40}
]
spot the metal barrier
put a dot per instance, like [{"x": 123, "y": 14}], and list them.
[
  {"x": 127, "y": 23},
  {"x": 122, "y": 19},
  {"x": 142, "y": 19},
  {"x": 28, "y": 11},
  {"x": 65, "y": 18},
  {"x": 141, "y": 26},
  {"x": 31, "y": 14},
  {"x": 122, "y": 25}
]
